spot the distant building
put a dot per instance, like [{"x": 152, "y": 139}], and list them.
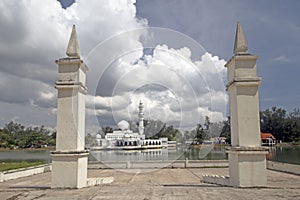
[
  {"x": 267, "y": 139},
  {"x": 219, "y": 140},
  {"x": 215, "y": 140},
  {"x": 126, "y": 139}
]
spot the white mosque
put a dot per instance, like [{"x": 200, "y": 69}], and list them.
[{"x": 126, "y": 139}]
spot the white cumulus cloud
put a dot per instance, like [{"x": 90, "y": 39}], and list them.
[{"x": 174, "y": 87}]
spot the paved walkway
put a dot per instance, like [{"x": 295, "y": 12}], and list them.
[{"x": 160, "y": 184}]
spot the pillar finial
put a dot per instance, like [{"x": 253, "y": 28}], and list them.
[
  {"x": 240, "y": 43},
  {"x": 73, "y": 47}
]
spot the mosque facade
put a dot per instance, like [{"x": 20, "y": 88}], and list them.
[{"x": 126, "y": 139}]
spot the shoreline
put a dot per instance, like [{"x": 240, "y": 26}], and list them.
[
  {"x": 29, "y": 149},
  {"x": 195, "y": 146}
]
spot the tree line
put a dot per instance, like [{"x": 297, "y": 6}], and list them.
[
  {"x": 14, "y": 135},
  {"x": 155, "y": 129},
  {"x": 283, "y": 125}
]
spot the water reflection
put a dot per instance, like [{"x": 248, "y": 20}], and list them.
[
  {"x": 25, "y": 155},
  {"x": 179, "y": 153},
  {"x": 205, "y": 153},
  {"x": 288, "y": 154},
  {"x": 130, "y": 155}
]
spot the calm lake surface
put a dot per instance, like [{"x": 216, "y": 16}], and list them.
[{"x": 288, "y": 154}]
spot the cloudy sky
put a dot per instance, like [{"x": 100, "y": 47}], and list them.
[{"x": 176, "y": 68}]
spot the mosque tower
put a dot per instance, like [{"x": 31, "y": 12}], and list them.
[{"x": 141, "y": 118}]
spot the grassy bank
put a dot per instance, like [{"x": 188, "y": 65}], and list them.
[
  {"x": 5, "y": 166},
  {"x": 29, "y": 149}
]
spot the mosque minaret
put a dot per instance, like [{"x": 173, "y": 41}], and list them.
[{"x": 141, "y": 118}]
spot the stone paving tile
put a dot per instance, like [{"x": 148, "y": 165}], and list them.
[{"x": 159, "y": 184}]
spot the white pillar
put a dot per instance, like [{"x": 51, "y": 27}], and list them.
[
  {"x": 247, "y": 159},
  {"x": 69, "y": 160}
]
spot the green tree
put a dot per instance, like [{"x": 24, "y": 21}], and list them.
[
  {"x": 283, "y": 126},
  {"x": 4, "y": 139},
  {"x": 292, "y": 126},
  {"x": 154, "y": 128},
  {"x": 207, "y": 123},
  {"x": 13, "y": 127},
  {"x": 226, "y": 132},
  {"x": 16, "y": 135},
  {"x": 189, "y": 135},
  {"x": 274, "y": 121},
  {"x": 159, "y": 129},
  {"x": 107, "y": 129},
  {"x": 90, "y": 140},
  {"x": 200, "y": 134}
]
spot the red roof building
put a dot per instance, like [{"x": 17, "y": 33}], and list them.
[{"x": 267, "y": 139}]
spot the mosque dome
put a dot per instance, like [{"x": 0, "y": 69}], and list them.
[
  {"x": 98, "y": 136},
  {"x": 123, "y": 125}
]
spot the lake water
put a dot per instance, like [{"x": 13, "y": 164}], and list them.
[
  {"x": 289, "y": 154},
  {"x": 25, "y": 155}
]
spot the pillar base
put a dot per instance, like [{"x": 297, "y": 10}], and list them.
[
  {"x": 247, "y": 166},
  {"x": 69, "y": 169}
]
